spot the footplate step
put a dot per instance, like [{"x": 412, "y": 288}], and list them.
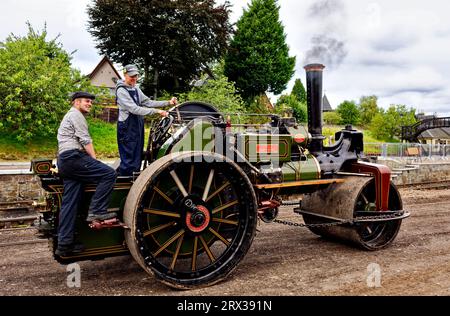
[{"x": 107, "y": 223}]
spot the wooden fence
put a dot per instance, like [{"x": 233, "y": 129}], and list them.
[{"x": 106, "y": 110}]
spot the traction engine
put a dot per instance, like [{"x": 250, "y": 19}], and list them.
[{"x": 191, "y": 213}]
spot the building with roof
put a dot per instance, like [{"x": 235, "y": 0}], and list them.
[
  {"x": 435, "y": 136},
  {"x": 326, "y": 104},
  {"x": 105, "y": 75}
]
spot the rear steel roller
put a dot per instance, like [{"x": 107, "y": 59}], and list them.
[
  {"x": 346, "y": 201},
  {"x": 192, "y": 218}
]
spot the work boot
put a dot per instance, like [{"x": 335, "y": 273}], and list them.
[
  {"x": 71, "y": 249},
  {"x": 100, "y": 217}
]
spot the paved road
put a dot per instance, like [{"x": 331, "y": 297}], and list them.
[{"x": 282, "y": 261}]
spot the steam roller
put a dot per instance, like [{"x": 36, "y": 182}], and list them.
[
  {"x": 366, "y": 200},
  {"x": 353, "y": 199},
  {"x": 189, "y": 216}
]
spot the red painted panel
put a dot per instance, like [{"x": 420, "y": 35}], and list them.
[
  {"x": 267, "y": 148},
  {"x": 382, "y": 175}
]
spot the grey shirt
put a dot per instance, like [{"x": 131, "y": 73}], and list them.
[
  {"x": 73, "y": 131},
  {"x": 127, "y": 105}
]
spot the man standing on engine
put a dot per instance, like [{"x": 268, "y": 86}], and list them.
[{"x": 133, "y": 106}]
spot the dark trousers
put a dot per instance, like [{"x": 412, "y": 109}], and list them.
[
  {"x": 76, "y": 169},
  {"x": 130, "y": 138}
]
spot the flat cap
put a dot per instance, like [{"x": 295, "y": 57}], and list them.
[
  {"x": 82, "y": 94},
  {"x": 131, "y": 70}
]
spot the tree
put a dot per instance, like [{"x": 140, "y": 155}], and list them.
[
  {"x": 379, "y": 127},
  {"x": 388, "y": 125},
  {"x": 298, "y": 108},
  {"x": 36, "y": 80},
  {"x": 348, "y": 112},
  {"x": 258, "y": 58},
  {"x": 332, "y": 118},
  {"x": 299, "y": 91},
  {"x": 171, "y": 40},
  {"x": 217, "y": 91},
  {"x": 368, "y": 108}
]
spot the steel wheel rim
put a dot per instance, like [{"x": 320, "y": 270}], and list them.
[
  {"x": 170, "y": 244},
  {"x": 376, "y": 234}
]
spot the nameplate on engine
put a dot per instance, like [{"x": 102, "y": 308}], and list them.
[
  {"x": 267, "y": 148},
  {"x": 257, "y": 148}
]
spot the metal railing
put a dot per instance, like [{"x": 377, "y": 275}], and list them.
[{"x": 407, "y": 150}]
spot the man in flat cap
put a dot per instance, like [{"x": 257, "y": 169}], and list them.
[
  {"x": 133, "y": 106},
  {"x": 77, "y": 165}
]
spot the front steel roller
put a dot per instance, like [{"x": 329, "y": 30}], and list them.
[
  {"x": 192, "y": 218},
  {"x": 346, "y": 201}
]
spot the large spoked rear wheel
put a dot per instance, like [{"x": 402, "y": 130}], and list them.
[{"x": 192, "y": 218}]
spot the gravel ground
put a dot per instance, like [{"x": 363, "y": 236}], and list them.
[{"x": 282, "y": 261}]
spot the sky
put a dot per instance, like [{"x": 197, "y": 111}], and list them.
[{"x": 397, "y": 50}]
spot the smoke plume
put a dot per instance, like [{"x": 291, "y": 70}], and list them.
[
  {"x": 325, "y": 8},
  {"x": 327, "y": 45}
]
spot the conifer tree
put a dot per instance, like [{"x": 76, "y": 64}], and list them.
[
  {"x": 299, "y": 91},
  {"x": 258, "y": 58}
]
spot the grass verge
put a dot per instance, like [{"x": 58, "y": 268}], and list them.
[
  {"x": 102, "y": 133},
  {"x": 105, "y": 142}
]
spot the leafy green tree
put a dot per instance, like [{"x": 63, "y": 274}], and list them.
[
  {"x": 368, "y": 108},
  {"x": 36, "y": 80},
  {"x": 258, "y": 58},
  {"x": 170, "y": 40},
  {"x": 379, "y": 127},
  {"x": 299, "y": 91},
  {"x": 332, "y": 118},
  {"x": 348, "y": 112},
  {"x": 387, "y": 125},
  {"x": 218, "y": 91},
  {"x": 258, "y": 105},
  {"x": 299, "y": 110}
]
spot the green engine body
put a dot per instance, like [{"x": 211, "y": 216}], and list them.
[
  {"x": 271, "y": 153},
  {"x": 280, "y": 157}
]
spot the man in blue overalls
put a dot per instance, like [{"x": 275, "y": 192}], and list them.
[{"x": 133, "y": 106}]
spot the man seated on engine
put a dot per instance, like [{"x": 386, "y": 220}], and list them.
[{"x": 77, "y": 165}]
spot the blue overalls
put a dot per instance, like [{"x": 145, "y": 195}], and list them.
[{"x": 130, "y": 138}]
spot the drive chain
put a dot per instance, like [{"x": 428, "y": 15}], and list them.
[{"x": 341, "y": 222}]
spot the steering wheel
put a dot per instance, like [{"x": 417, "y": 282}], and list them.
[{"x": 163, "y": 127}]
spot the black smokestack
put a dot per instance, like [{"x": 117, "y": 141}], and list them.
[{"x": 314, "y": 103}]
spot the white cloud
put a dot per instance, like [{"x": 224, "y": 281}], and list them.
[
  {"x": 66, "y": 18},
  {"x": 397, "y": 50},
  {"x": 75, "y": 13}
]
